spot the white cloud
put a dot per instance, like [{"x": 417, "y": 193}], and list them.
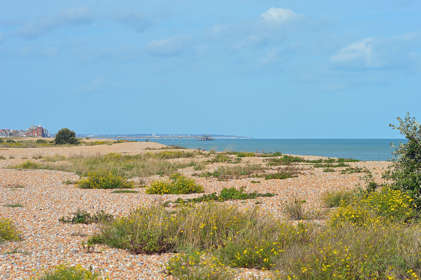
[
  {"x": 168, "y": 47},
  {"x": 379, "y": 53},
  {"x": 361, "y": 53},
  {"x": 278, "y": 16}
]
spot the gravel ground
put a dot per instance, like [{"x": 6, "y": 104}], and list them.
[{"x": 45, "y": 198}]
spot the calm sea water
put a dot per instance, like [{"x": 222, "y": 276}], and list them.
[{"x": 362, "y": 149}]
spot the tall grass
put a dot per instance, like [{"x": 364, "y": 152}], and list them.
[
  {"x": 141, "y": 165},
  {"x": 234, "y": 172}
]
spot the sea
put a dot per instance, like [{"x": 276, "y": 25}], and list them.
[{"x": 361, "y": 149}]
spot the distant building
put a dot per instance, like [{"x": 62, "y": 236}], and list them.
[
  {"x": 36, "y": 131},
  {"x": 33, "y": 131}
]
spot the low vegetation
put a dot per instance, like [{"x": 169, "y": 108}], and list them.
[
  {"x": 284, "y": 173},
  {"x": 338, "y": 198},
  {"x": 84, "y": 217},
  {"x": 178, "y": 184},
  {"x": 234, "y": 172},
  {"x": 104, "y": 181},
  {"x": 225, "y": 195},
  {"x": 198, "y": 266},
  {"x": 64, "y": 272},
  {"x": 8, "y": 231}
]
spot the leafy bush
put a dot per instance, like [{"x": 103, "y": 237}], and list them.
[
  {"x": 382, "y": 207},
  {"x": 198, "y": 266},
  {"x": 406, "y": 172},
  {"x": 178, "y": 184},
  {"x": 104, "y": 181},
  {"x": 84, "y": 217},
  {"x": 66, "y": 136},
  {"x": 156, "y": 230},
  {"x": 8, "y": 231},
  {"x": 337, "y": 198},
  {"x": 225, "y": 195},
  {"x": 63, "y": 272},
  {"x": 262, "y": 244},
  {"x": 375, "y": 252}
]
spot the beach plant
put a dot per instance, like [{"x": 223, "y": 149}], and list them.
[
  {"x": 84, "y": 217},
  {"x": 406, "y": 171},
  {"x": 225, "y": 195},
  {"x": 8, "y": 231},
  {"x": 178, "y": 184},
  {"x": 295, "y": 211},
  {"x": 234, "y": 172},
  {"x": 104, "y": 181},
  {"x": 66, "y": 136},
  {"x": 349, "y": 252},
  {"x": 198, "y": 266},
  {"x": 280, "y": 174},
  {"x": 29, "y": 165},
  {"x": 64, "y": 272},
  {"x": 338, "y": 198}
]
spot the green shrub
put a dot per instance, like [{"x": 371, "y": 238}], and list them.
[
  {"x": 294, "y": 210},
  {"x": 261, "y": 244},
  {"x": 406, "y": 171},
  {"x": 374, "y": 208},
  {"x": 178, "y": 184},
  {"x": 337, "y": 198},
  {"x": 225, "y": 195},
  {"x": 8, "y": 231},
  {"x": 63, "y": 272},
  {"x": 156, "y": 230},
  {"x": 29, "y": 165},
  {"x": 286, "y": 173},
  {"x": 104, "y": 181},
  {"x": 285, "y": 160},
  {"x": 84, "y": 217},
  {"x": 221, "y": 157},
  {"x": 198, "y": 266},
  {"x": 66, "y": 136},
  {"x": 375, "y": 252}
]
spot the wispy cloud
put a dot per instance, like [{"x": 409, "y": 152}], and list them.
[
  {"x": 34, "y": 29},
  {"x": 275, "y": 16},
  {"x": 168, "y": 47},
  {"x": 378, "y": 53}
]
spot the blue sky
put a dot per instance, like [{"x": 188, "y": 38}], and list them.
[{"x": 258, "y": 68}]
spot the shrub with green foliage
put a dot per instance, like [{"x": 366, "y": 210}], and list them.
[
  {"x": 406, "y": 171},
  {"x": 338, "y": 198},
  {"x": 156, "y": 230},
  {"x": 104, "y": 181},
  {"x": 63, "y": 272},
  {"x": 373, "y": 208},
  {"x": 375, "y": 252},
  {"x": 178, "y": 184},
  {"x": 225, "y": 195},
  {"x": 8, "y": 231},
  {"x": 65, "y": 136},
  {"x": 198, "y": 266},
  {"x": 84, "y": 217}
]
